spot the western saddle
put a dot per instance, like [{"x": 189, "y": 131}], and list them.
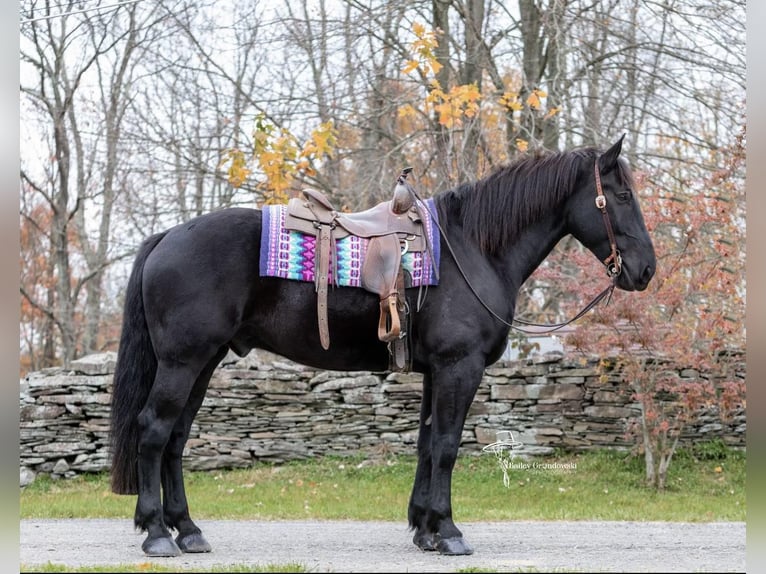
[{"x": 393, "y": 228}]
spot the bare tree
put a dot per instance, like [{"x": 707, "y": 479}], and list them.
[
  {"x": 79, "y": 70},
  {"x": 137, "y": 107}
]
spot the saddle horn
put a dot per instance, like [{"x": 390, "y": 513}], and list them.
[{"x": 404, "y": 198}]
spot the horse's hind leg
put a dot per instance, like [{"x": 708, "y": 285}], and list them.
[
  {"x": 172, "y": 386},
  {"x": 175, "y": 505}
]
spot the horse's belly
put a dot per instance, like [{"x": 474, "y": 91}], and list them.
[{"x": 284, "y": 321}]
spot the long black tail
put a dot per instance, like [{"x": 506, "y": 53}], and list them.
[{"x": 133, "y": 378}]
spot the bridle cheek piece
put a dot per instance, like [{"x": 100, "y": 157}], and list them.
[{"x": 613, "y": 263}]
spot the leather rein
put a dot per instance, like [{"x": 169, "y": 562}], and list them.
[{"x": 613, "y": 264}]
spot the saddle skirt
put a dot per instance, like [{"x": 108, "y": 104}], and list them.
[{"x": 290, "y": 254}]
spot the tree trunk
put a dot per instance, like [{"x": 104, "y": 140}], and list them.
[
  {"x": 649, "y": 463},
  {"x": 440, "y": 12},
  {"x": 472, "y": 74}
]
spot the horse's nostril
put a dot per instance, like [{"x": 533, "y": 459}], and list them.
[{"x": 647, "y": 274}]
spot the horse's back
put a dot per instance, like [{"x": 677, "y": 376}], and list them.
[{"x": 202, "y": 290}]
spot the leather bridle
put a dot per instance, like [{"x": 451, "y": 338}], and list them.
[{"x": 613, "y": 264}]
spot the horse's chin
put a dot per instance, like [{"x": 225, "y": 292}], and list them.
[{"x": 626, "y": 282}]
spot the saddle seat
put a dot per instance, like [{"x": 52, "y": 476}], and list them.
[
  {"x": 374, "y": 222},
  {"x": 392, "y": 227}
]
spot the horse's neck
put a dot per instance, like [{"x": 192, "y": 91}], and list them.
[
  {"x": 517, "y": 262},
  {"x": 534, "y": 244}
]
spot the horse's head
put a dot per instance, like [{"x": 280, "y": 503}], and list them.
[{"x": 605, "y": 199}]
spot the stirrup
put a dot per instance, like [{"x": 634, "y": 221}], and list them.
[{"x": 388, "y": 309}]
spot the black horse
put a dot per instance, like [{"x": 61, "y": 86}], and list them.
[{"x": 195, "y": 292}]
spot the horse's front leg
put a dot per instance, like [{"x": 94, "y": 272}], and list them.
[
  {"x": 453, "y": 389},
  {"x": 418, "y": 506}
]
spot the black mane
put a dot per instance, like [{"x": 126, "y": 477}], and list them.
[{"x": 497, "y": 208}]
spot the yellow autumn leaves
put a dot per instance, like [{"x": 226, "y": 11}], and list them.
[
  {"x": 451, "y": 106},
  {"x": 461, "y": 101},
  {"x": 423, "y": 48},
  {"x": 280, "y": 157}
]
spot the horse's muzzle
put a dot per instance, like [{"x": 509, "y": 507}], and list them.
[{"x": 628, "y": 280}]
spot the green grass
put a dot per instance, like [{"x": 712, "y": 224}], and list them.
[{"x": 704, "y": 484}]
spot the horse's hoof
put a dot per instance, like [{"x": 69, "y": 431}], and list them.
[
  {"x": 157, "y": 547},
  {"x": 454, "y": 546},
  {"x": 193, "y": 543},
  {"x": 424, "y": 541}
]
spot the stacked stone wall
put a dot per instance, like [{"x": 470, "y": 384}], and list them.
[{"x": 273, "y": 410}]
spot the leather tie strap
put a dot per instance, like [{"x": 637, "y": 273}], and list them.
[
  {"x": 323, "y": 251},
  {"x": 399, "y": 348}
]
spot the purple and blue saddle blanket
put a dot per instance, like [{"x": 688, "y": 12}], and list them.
[{"x": 289, "y": 254}]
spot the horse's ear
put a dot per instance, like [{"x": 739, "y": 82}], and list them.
[{"x": 608, "y": 160}]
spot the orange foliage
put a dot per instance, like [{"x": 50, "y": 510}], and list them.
[
  {"x": 279, "y": 157},
  {"x": 692, "y": 314}
]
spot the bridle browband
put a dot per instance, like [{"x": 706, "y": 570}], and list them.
[{"x": 613, "y": 264}]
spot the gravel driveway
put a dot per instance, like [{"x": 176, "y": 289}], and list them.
[{"x": 352, "y": 546}]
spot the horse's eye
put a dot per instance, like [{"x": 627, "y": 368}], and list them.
[{"x": 624, "y": 195}]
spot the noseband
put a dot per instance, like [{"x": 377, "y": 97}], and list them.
[{"x": 613, "y": 263}]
